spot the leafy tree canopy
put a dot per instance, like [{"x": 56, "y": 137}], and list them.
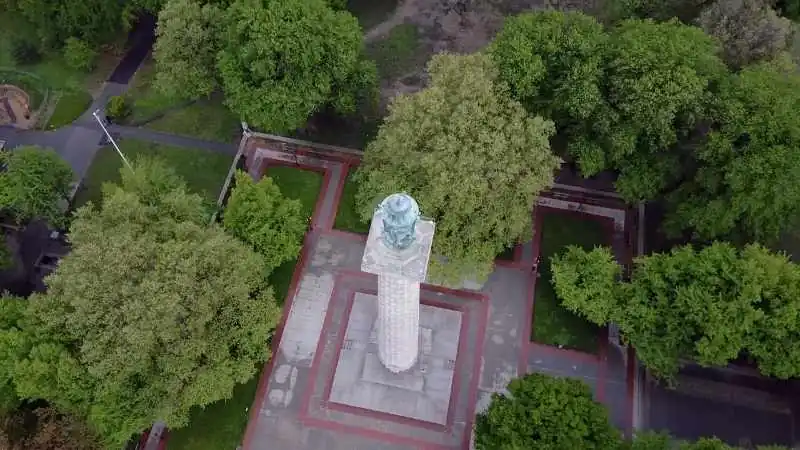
[
  {"x": 586, "y": 282},
  {"x": 12, "y": 341},
  {"x": 471, "y": 157},
  {"x": 657, "y": 79},
  {"x": 93, "y": 21},
  {"x": 282, "y": 60},
  {"x": 153, "y": 312},
  {"x": 662, "y": 441},
  {"x": 34, "y": 184},
  {"x": 259, "y": 215},
  {"x": 707, "y": 305},
  {"x": 552, "y": 62},
  {"x": 749, "y": 168},
  {"x": 186, "y": 48},
  {"x": 621, "y": 100},
  {"x": 544, "y": 412}
]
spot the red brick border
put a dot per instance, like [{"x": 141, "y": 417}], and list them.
[
  {"x": 337, "y": 197},
  {"x": 347, "y": 235},
  {"x": 372, "y": 434},
  {"x": 483, "y": 318},
  {"x": 516, "y": 261}
]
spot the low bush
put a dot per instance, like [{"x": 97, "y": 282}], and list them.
[
  {"x": 79, "y": 55},
  {"x": 117, "y": 107}
]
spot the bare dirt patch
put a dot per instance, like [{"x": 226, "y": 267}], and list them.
[
  {"x": 15, "y": 107},
  {"x": 459, "y": 26}
]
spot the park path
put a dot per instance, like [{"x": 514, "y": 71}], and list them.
[{"x": 78, "y": 143}]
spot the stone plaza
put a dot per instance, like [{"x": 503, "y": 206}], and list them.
[{"x": 325, "y": 387}]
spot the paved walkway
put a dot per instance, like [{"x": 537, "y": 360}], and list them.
[
  {"x": 294, "y": 410},
  {"x": 78, "y": 143}
]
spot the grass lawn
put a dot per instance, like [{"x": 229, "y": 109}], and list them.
[
  {"x": 371, "y": 12},
  {"x": 144, "y": 101},
  {"x": 207, "y": 119},
  {"x": 347, "y": 218},
  {"x": 553, "y": 324},
  {"x": 203, "y": 171},
  {"x": 397, "y": 53},
  {"x": 52, "y": 72},
  {"x": 303, "y": 185},
  {"x": 220, "y": 426},
  {"x": 69, "y": 107}
]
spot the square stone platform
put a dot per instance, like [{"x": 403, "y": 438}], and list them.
[
  {"x": 422, "y": 392},
  {"x": 432, "y": 405}
]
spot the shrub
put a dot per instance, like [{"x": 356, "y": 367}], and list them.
[
  {"x": 749, "y": 30},
  {"x": 79, "y": 55},
  {"x": 117, "y": 107},
  {"x": 25, "y": 52},
  {"x": 545, "y": 412}
]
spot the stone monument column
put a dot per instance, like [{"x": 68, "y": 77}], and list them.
[{"x": 398, "y": 249}]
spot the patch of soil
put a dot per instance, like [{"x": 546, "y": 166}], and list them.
[{"x": 15, "y": 107}]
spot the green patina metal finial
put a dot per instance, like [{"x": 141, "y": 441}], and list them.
[{"x": 400, "y": 214}]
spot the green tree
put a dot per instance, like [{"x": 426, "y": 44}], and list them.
[
  {"x": 186, "y": 48},
  {"x": 748, "y": 169},
  {"x": 657, "y": 80},
  {"x": 471, "y": 157},
  {"x": 707, "y": 305},
  {"x": 92, "y": 21},
  {"x": 749, "y": 30},
  {"x": 544, "y": 412},
  {"x": 152, "y": 313},
  {"x": 688, "y": 304},
  {"x": 774, "y": 343},
  {"x": 649, "y": 440},
  {"x": 620, "y": 101},
  {"x": 12, "y": 342},
  {"x": 35, "y": 184},
  {"x": 79, "y": 55},
  {"x": 258, "y": 214},
  {"x": 552, "y": 62},
  {"x": 283, "y": 60},
  {"x": 586, "y": 282}
]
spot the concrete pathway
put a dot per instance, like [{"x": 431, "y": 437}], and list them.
[
  {"x": 78, "y": 143},
  {"x": 294, "y": 408}
]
